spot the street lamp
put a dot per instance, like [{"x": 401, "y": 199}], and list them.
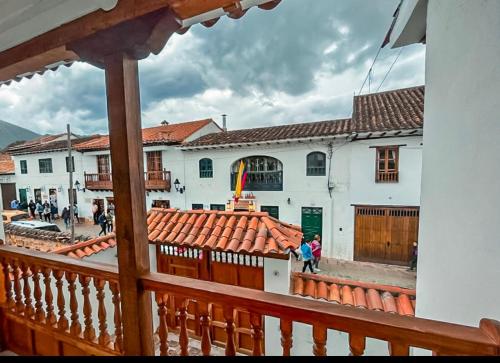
[
  {"x": 77, "y": 186},
  {"x": 177, "y": 186}
]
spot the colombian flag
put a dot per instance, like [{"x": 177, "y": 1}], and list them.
[{"x": 240, "y": 181}]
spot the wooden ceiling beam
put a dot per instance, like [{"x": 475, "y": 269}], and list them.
[{"x": 137, "y": 38}]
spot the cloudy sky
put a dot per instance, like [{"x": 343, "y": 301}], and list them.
[{"x": 302, "y": 61}]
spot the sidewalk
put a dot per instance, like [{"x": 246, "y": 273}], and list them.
[{"x": 364, "y": 271}]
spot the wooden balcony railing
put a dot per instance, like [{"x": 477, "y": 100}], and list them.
[
  {"x": 387, "y": 177},
  {"x": 155, "y": 180},
  {"x": 99, "y": 181},
  {"x": 39, "y": 278}
]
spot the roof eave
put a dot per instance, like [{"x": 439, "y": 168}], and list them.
[
  {"x": 265, "y": 142},
  {"x": 411, "y": 24}
]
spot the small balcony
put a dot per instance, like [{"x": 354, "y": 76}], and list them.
[
  {"x": 154, "y": 180},
  {"x": 158, "y": 180}
]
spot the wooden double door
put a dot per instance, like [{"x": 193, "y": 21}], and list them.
[{"x": 385, "y": 234}]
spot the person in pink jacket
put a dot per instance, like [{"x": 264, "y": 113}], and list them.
[{"x": 316, "y": 251}]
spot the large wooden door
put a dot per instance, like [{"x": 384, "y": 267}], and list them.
[
  {"x": 8, "y": 194},
  {"x": 312, "y": 222},
  {"x": 385, "y": 234}
]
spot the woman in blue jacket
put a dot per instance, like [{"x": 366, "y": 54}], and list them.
[{"x": 307, "y": 256}]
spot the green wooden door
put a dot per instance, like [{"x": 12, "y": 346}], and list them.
[
  {"x": 273, "y": 211},
  {"x": 23, "y": 198},
  {"x": 312, "y": 222}
]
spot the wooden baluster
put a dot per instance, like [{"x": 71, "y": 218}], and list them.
[
  {"x": 206, "y": 344},
  {"x": 62, "y": 323},
  {"x": 257, "y": 335},
  {"x": 29, "y": 310},
  {"x": 88, "y": 331},
  {"x": 357, "y": 344},
  {"x": 286, "y": 336},
  {"x": 398, "y": 349},
  {"x": 117, "y": 317},
  {"x": 37, "y": 293},
  {"x": 319, "y": 336},
  {"x": 163, "y": 329},
  {"x": 183, "y": 334},
  {"x": 9, "y": 300},
  {"x": 50, "y": 319},
  {"x": 17, "y": 288},
  {"x": 104, "y": 338},
  {"x": 75, "y": 327},
  {"x": 229, "y": 317}
]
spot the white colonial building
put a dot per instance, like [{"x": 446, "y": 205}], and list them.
[{"x": 356, "y": 181}]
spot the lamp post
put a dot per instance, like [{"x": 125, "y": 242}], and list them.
[{"x": 71, "y": 199}]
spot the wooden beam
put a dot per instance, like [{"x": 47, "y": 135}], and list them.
[{"x": 124, "y": 114}]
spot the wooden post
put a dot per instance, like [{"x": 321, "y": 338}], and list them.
[{"x": 124, "y": 115}]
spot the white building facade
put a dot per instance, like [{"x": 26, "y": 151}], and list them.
[{"x": 341, "y": 179}]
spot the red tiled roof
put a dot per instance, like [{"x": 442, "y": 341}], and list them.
[
  {"x": 7, "y": 165},
  {"x": 395, "y": 110},
  {"x": 47, "y": 144},
  {"x": 390, "y": 299},
  {"x": 88, "y": 248},
  {"x": 242, "y": 232},
  {"x": 400, "y": 109},
  {"x": 284, "y": 132},
  {"x": 169, "y": 134}
]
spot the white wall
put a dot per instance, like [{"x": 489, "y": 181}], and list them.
[
  {"x": 459, "y": 254},
  {"x": 58, "y": 179}
]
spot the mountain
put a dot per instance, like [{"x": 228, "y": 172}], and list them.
[{"x": 10, "y": 133}]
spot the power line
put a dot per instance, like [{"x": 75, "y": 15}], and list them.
[
  {"x": 370, "y": 70},
  {"x": 390, "y": 69}
]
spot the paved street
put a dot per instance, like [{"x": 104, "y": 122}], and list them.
[{"x": 364, "y": 271}]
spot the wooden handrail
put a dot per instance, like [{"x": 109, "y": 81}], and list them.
[
  {"x": 60, "y": 262},
  {"x": 416, "y": 332},
  {"x": 399, "y": 331}
]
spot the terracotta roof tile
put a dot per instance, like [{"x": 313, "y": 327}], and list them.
[
  {"x": 240, "y": 232},
  {"x": 88, "y": 248},
  {"x": 48, "y": 144},
  {"x": 164, "y": 134},
  {"x": 400, "y": 109},
  {"x": 361, "y": 295},
  {"x": 284, "y": 132},
  {"x": 7, "y": 165}
]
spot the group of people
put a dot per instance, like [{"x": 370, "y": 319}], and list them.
[
  {"x": 310, "y": 252},
  {"x": 105, "y": 220},
  {"x": 48, "y": 212}
]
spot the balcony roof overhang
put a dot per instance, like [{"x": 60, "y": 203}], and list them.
[
  {"x": 37, "y": 37},
  {"x": 409, "y": 25}
]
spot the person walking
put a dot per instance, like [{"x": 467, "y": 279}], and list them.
[
  {"x": 109, "y": 219},
  {"x": 46, "y": 212},
  {"x": 65, "y": 216},
  {"x": 413, "y": 262},
  {"x": 75, "y": 213},
  {"x": 95, "y": 212},
  {"x": 53, "y": 210},
  {"x": 32, "y": 208},
  {"x": 39, "y": 209},
  {"x": 307, "y": 257},
  {"x": 316, "y": 251},
  {"x": 103, "y": 223}
]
